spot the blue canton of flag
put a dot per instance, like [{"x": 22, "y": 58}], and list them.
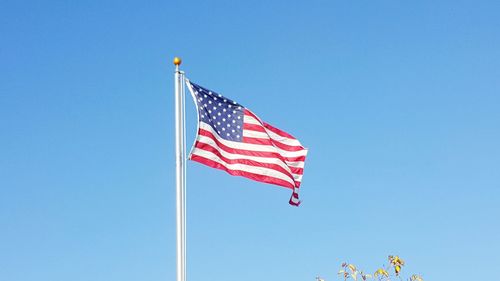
[{"x": 225, "y": 116}]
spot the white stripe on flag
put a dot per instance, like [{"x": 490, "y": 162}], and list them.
[
  {"x": 251, "y": 120},
  {"x": 299, "y": 164}
]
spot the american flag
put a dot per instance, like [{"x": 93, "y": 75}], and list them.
[{"x": 232, "y": 138}]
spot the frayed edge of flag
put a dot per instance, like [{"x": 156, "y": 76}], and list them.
[{"x": 294, "y": 199}]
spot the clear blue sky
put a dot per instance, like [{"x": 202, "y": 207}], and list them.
[{"x": 398, "y": 102}]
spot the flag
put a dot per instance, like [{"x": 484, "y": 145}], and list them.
[{"x": 232, "y": 138}]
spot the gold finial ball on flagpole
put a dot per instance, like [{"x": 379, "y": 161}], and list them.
[{"x": 177, "y": 61}]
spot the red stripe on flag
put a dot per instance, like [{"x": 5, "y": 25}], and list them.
[
  {"x": 249, "y": 113},
  {"x": 260, "y": 141},
  {"x": 298, "y": 171},
  {"x": 286, "y": 146},
  {"x": 278, "y": 131},
  {"x": 254, "y": 127},
  {"x": 270, "y": 141}
]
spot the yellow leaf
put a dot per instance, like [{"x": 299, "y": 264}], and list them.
[
  {"x": 381, "y": 271},
  {"x": 396, "y": 260},
  {"x": 397, "y": 269},
  {"x": 416, "y": 277},
  {"x": 352, "y": 267}
]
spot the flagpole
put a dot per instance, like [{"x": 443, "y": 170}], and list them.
[{"x": 180, "y": 169}]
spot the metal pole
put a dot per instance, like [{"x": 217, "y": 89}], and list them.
[{"x": 180, "y": 172}]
